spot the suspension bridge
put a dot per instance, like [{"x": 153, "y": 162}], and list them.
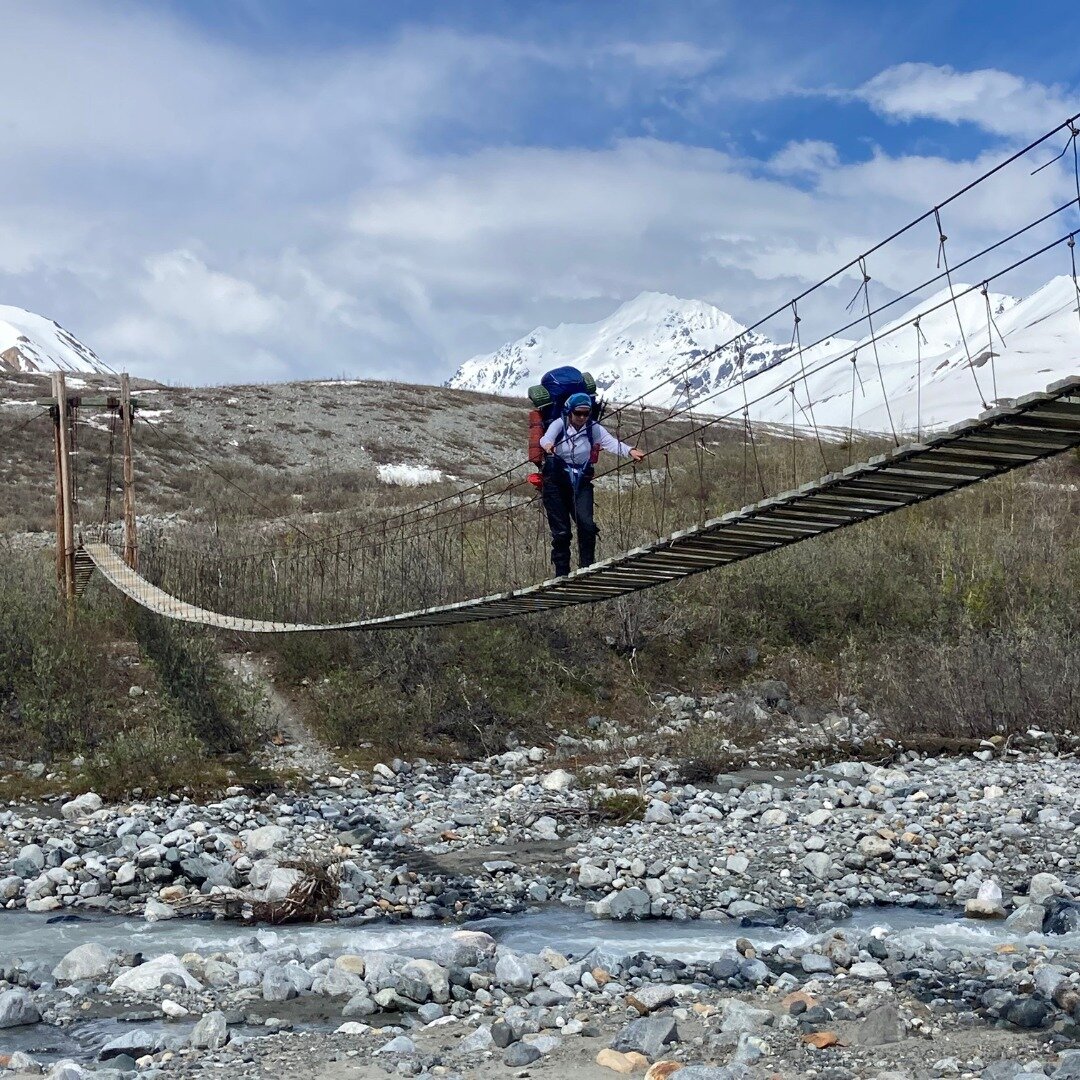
[{"x": 480, "y": 553}]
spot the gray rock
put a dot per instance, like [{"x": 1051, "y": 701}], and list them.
[
  {"x": 17, "y": 1009},
  {"x": 1027, "y": 919},
  {"x": 89, "y": 961},
  {"x": 68, "y": 1070},
  {"x": 133, "y": 1043},
  {"x": 10, "y": 888},
  {"x": 739, "y": 1017},
  {"x": 430, "y": 1012},
  {"x": 211, "y": 1032},
  {"x": 401, "y": 1046},
  {"x": 1068, "y": 1066},
  {"x": 521, "y": 1053},
  {"x": 816, "y": 964},
  {"x": 648, "y": 998},
  {"x": 710, "y": 1072},
  {"x": 1029, "y": 1013},
  {"x": 1062, "y": 917},
  {"x": 262, "y": 841},
  {"x": 648, "y": 1035},
  {"x": 276, "y": 985},
  {"x": 590, "y": 877},
  {"x": 360, "y": 1004},
  {"x": 626, "y": 904},
  {"x": 1043, "y": 887},
  {"x": 881, "y": 1027},
  {"x": 659, "y": 813},
  {"x": 818, "y": 863},
  {"x": 477, "y": 1040},
  {"x": 425, "y": 979},
  {"x": 512, "y": 971}
]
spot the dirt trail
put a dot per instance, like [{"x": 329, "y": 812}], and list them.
[{"x": 284, "y": 720}]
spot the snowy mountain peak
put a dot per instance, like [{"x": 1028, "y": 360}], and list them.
[
  {"x": 643, "y": 341},
  {"x": 31, "y": 343},
  {"x": 969, "y": 348}
]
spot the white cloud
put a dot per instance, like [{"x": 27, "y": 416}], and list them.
[
  {"x": 181, "y": 285},
  {"x": 996, "y": 101},
  {"x": 201, "y": 211},
  {"x": 810, "y": 156}
]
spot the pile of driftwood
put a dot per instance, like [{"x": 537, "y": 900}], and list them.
[{"x": 311, "y": 899}]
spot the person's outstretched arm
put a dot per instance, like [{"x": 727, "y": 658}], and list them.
[{"x": 607, "y": 441}]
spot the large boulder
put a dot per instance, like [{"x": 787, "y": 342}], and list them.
[
  {"x": 647, "y": 1035},
  {"x": 1062, "y": 917},
  {"x": 263, "y": 840},
  {"x": 211, "y": 1032},
  {"x": 17, "y": 1009},
  {"x": 148, "y": 976},
  {"x": 89, "y": 961},
  {"x": 81, "y": 806}
]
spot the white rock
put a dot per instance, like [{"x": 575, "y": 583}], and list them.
[
  {"x": 148, "y": 976},
  {"x": 89, "y": 961},
  {"x": 559, "y": 780},
  {"x": 174, "y": 1010},
  {"x": 155, "y": 911},
  {"x": 659, "y": 813},
  {"x": 773, "y": 818},
  {"x": 352, "y": 1027},
  {"x": 81, "y": 806},
  {"x": 590, "y": 877},
  {"x": 737, "y": 864},
  {"x": 263, "y": 840}
]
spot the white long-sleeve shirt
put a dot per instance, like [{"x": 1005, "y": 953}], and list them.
[{"x": 573, "y": 445}]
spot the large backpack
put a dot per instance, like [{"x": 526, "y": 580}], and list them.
[{"x": 549, "y": 403}]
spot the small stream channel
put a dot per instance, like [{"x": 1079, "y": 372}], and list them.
[{"x": 38, "y": 943}]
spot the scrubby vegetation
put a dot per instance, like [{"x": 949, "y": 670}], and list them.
[
  {"x": 957, "y": 619},
  {"x": 146, "y": 704}
]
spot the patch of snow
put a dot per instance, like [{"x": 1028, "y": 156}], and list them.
[{"x": 408, "y": 475}]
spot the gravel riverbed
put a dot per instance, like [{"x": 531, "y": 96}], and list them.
[{"x": 915, "y": 919}]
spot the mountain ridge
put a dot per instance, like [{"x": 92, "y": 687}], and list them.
[{"x": 974, "y": 349}]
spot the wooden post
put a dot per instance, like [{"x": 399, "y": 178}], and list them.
[
  {"x": 65, "y": 488},
  {"x": 57, "y": 457},
  {"x": 131, "y": 543}
]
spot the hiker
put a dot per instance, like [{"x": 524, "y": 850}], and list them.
[{"x": 571, "y": 445}]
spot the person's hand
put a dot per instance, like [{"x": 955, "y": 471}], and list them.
[{"x": 637, "y": 455}]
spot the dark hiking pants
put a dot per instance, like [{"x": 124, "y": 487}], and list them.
[{"x": 564, "y": 509}]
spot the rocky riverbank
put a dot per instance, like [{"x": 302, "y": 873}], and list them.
[{"x": 772, "y": 862}]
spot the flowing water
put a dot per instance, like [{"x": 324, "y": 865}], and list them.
[{"x": 39, "y": 942}]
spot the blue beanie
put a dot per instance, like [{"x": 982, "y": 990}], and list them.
[{"x": 576, "y": 401}]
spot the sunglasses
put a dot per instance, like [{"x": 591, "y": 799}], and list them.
[{"x": 582, "y": 412}]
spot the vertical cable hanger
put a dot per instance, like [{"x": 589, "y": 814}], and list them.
[
  {"x": 943, "y": 260},
  {"x": 796, "y": 339},
  {"x": 864, "y": 289},
  {"x": 920, "y": 340},
  {"x": 991, "y": 326}
]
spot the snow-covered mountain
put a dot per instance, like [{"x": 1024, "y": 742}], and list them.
[
  {"x": 651, "y": 338},
  {"x": 29, "y": 342},
  {"x": 648, "y": 340}
]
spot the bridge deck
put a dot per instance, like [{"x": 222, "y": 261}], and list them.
[{"x": 1031, "y": 428}]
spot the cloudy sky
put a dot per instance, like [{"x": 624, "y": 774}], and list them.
[{"x": 219, "y": 190}]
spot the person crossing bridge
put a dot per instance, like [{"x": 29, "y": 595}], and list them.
[{"x": 571, "y": 446}]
